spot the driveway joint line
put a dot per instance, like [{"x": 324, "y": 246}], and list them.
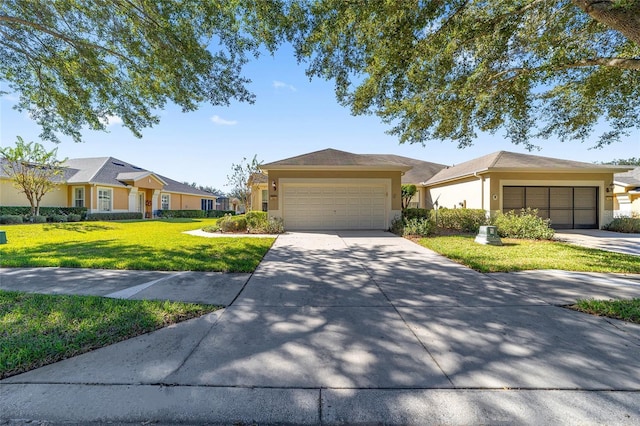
[
  {"x": 404, "y": 321},
  {"x": 132, "y": 291},
  {"x": 329, "y": 388}
]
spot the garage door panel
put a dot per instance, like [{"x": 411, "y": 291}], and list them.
[
  {"x": 339, "y": 206},
  {"x": 567, "y": 206}
]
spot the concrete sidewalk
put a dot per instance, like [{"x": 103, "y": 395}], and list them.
[{"x": 362, "y": 328}]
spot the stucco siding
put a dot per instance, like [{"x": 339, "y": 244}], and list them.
[
  {"x": 468, "y": 192},
  {"x": 10, "y": 196}
]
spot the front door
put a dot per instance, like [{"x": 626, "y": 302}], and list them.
[{"x": 141, "y": 202}]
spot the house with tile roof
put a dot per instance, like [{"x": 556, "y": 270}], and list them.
[
  {"x": 332, "y": 189},
  {"x": 107, "y": 184}
]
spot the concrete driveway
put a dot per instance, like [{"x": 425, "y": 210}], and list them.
[
  {"x": 360, "y": 327},
  {"x": 604, "y": 240}
]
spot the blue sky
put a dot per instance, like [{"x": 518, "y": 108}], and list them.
[{"x": 291, "y": 116}]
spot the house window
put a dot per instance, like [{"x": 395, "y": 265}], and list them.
[
  {"x": 166, "y": 202},
  {"x": 104, "y": 199},
  {"x": 206, "y": 205},
  {"x": 265, "y": 200},
  {"x": 78, "y": 196}
]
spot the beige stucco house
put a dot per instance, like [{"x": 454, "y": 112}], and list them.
[
  {"x": 626, "y": 193},
  {"x": 106, "y": 184},
  {"x": 333, "y": 189},
  {"x": 572, "y": 194}
]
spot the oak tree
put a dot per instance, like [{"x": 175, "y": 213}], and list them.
[{"x": 449, "y": 69}]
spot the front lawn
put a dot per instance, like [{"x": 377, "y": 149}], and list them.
[
  {"x": 39, "y": 329},
  {"x": 142, "y": 245},
  {"x": 520, "y": 255},
  {"x": 625, "y": 310}
]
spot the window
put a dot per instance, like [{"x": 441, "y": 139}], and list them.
[
  {"x": 265, "y": 200},
  {"x": 78, "y": 196},
  {"x": 104, "y": 199},
  {"x": 206, "y": 205},
  {"x": 166, "y": 202}
]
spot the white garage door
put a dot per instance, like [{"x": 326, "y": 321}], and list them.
[{"x": 334, "y": 206}]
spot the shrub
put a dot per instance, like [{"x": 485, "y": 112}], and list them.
[
  {"x": 416, "y": 214},
  {"x": 256, "y": 220},
  {"x": 190, "y": 214},
  {"x": 44, "y": 211},
  {"x": 58, "y": 218},
  {"x": 524, "y": 225},
  {"x": 38, "y": 219},
  {"x": 230, "y": 223},
  {"x": 274, "y": 225},
  {"x": 74, "y": 218},
  {"x": 11, "y": 219},
  {"x": 115, "y": 216},
  {"x": 418, "y": 227},
  {"x": 624, "y": 224},
  {"x": 219, "y": 213},
  {"x": 464, "y": 220}
]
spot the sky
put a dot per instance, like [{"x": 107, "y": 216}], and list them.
[{"x": 291, "y": 116}]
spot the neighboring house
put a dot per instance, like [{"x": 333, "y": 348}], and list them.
[
  {"x": 572, "y": 194},
  {"x": 333, "y": 189},
  {"x": 107, "y": 184},
  {"x": 259, "y": 192},
  {"x": 627, "y": 193}
]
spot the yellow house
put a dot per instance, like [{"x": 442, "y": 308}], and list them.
[
  {"x": 331, "y": 189},
  {"x": 106, "y": 184},
  {"x": 627, "y": 193}
]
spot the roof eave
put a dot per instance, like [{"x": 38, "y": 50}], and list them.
[{"x": 395, "y": 168}]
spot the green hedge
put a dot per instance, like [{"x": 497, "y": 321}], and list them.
[
  {"x": 10, "y": 219},
  {"x": 190, "y": 214},
  {"x": 219, "y": 213},
  {"x": 232, "y": 223},
  {"x": 525, "y": 224},
  {"x": 416, "y": 213},
  {"x": 630, "y": 225},
  {"x": 464, "y": 220},
  {"x": 114, "y": 216},
  {"x": 44, "y": 211}
]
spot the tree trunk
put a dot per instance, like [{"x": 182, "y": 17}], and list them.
[{"x": 624, "y": 19}]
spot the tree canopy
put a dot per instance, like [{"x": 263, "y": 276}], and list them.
[
  {"x": 430, "y": 69},
  {"x": 75, "y": 63},
  {"x": 448, "y": 70}
]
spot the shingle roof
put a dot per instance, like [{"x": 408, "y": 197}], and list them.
[
  {"x": 67, "y": 172},
  {"x": 327, "y": 158},
  {"x": 420, "y": 170},
  {"x": 511, "y": 161},
  {"x": 111, "y": 171},
  {"x": 630, "y": 178}
]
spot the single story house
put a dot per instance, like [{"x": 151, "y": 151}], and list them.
[
  {"x": 331, "y": 189},
  {"x": 106, "y": 184},
  {"x": 627, "y": 193}
]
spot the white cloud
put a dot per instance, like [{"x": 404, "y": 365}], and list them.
[
  {"x": 222, "y": 122},
  {"x": 111, "y": 120},
  {"x": 282, "y": 85}
]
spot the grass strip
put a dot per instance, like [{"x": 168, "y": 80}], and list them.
[
  {"x": 152, "y": 245},
  {"x": 39, "y": 329},
  {"x": 519, "y": 255},
  {"x": 625, "y": 310}
]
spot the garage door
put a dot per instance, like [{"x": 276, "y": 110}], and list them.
[
  {"x": 334, "y": 206},
  {"x": 568, "y": 207}
]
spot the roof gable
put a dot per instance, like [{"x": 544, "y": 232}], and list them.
[
  {"x": 629, "y": 178},
  {"x": 335, "y": 159},
  {"x": 511, "y": 161}
]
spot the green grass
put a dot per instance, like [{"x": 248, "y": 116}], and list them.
[
  {"x": 626, "y": 310},
  {"x": 38, "y": 329},
  {"x": 142, "y": 245},
  {"x": 520, "y": 255}
]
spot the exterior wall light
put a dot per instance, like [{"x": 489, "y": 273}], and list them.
[{"x": 273, "y": 186}]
